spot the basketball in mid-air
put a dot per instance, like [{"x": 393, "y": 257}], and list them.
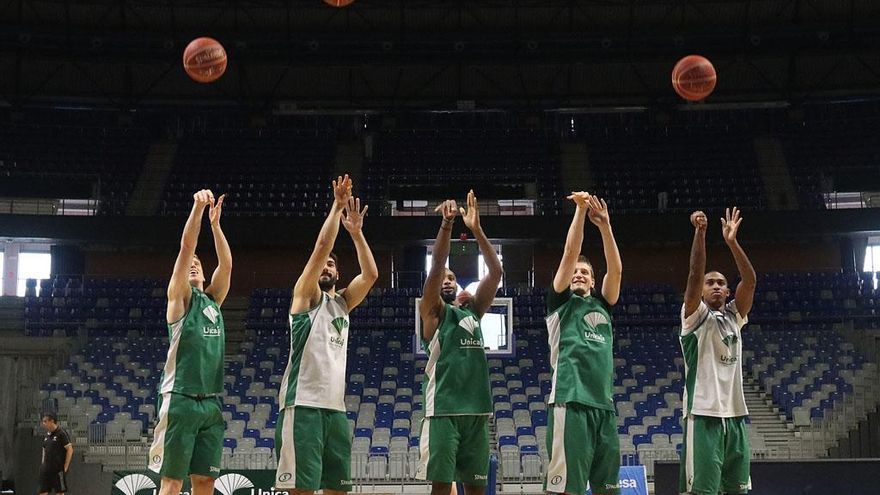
[
  {"x": 204, "y": 60},
  {"x": 693, "y": 78},
  {"x": 339, "y": 3}
]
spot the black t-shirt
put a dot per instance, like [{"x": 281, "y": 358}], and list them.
[{"x": 53, "y": 446}]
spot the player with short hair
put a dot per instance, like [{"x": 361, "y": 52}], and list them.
[
  {"x": 582, "y": 431},
  {"x": 454, "y": 441},
  {"x": 312, "y": 439},
  {"x": 188, "y": 438},
  {"x": 715, "y": 450}
]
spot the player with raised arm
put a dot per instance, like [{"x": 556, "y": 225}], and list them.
[
  {"x": 312, "y": 440},
  {"x": 715, "y": 454},
  {"x": 454, "y": 442},
  {"x": 582, "y": 440},
  {"x": 188, "y": 438}
]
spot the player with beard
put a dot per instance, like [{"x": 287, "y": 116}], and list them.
[
  {"x": 715, "y": 454},
  {"x": 454, "y": 442},
  {"x": 312, "y": 439},
  {"x": 583, "y": 443}
]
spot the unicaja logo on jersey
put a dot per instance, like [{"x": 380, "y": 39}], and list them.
[
  {"x": 339, "y": 324},
  {"x": 730, "y": 340},
  {"x": 211, "y": 313},
  {"x": 471, "y": 342},
  {"x": 470, "y": 324},
  {"x": 593, "y": 320},
  {"x": 133, "y": 484}
]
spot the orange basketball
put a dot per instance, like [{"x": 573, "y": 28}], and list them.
[
  {"x": 339, "y": 3},
  {"x": 204, "y": 60},
  {"x": 693, "y": 78}
]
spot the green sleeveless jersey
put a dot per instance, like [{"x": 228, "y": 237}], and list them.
[
  {"x": 194, "y": 365},
  {"x": 581, "y": 344},
  {"x": 457, "y": 374}
]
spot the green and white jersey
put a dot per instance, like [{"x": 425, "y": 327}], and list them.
[
  {"x": 194, "y": 365},
  {"x": 457, "y": 374},
  {"x": 581, "y": 349},
  {"x": 315, "y": 374},
  {"x": 711, "y": 342}
]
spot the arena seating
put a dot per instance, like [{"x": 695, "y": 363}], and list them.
[
  {"x": 277, "y": 172},
  {"x": 499, "y": 163},
  {"x": 698, "y": 169},
  {"x": 74, "y": 160},
  {"x": 108, "y": 390}
]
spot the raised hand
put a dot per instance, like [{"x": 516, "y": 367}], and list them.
[
  {"x": 342, "y": 190},
  {"x": 730, "y": 224},
  {"x": 203, "y": 198},
  {"x": 448, "y": 209},
  {"x": 353, "y": 216},
  {"x": 698, "y": 220},
  {"x": 580, "y": 198},
  {"x": 215, "y": 210},
  {"x": 471, "y": 216},
  {"x": 598, "y": 212}
]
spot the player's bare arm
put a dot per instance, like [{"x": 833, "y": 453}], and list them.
[
  {"x": 431, "y": 306},
  {"x": 223, "y": 273},
  {"x": 179, "y": 288},
  {"x": 306, "y": 292},
  {"x": 599, "y": 216},
  {"x": 745, "y": 290},
  {"x": 489, "y": 285},
  {"x": 353, "y": 221},
  {"x": 573, "y": 241},
  {"x": 697, "y": 267}
]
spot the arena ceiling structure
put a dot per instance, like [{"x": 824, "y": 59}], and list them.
[{"x": 304, "y": 55}]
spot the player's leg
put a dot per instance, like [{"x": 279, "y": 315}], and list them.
[
  {"x": 336, "y": 461},
  {"x": 438, "y": 448},
  {"x": 735, "y": 471},
  {"x": 300, "y": 447},
  {"x": 170, "y": 486},
  {"x": 173, "y": 441},
  {"x": 702, "y": 451},
  {"x": 438, "y": 488},
  {"x": 605, "y": 468},
  {"x": 571, "y": 450},
  {"x": 204, "y": 467},
  {"x": 202, "y": 485},
  {"x": 472, "y": 461}
]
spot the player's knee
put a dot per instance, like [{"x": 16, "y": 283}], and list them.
[
  {"x": 438, "y": 488},
  {"x": 202, "y": 484},
  {"x": 474, "y": 490},
  {"x": 170, "y": 486}
]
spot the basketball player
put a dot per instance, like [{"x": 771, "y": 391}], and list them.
[
  {"x": 312, "y": 438},
  {"x": 715, "y": 454},
  {"x": 454, "y": 444},
  {"x": 583, "y": 443},
  {"x": 188, "y": 438}
]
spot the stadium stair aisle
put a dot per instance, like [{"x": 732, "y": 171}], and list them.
[
  {"x": 772, "y": 430},
  {"x": 235, "y": 311}
]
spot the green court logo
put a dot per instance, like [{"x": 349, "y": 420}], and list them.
[{"x": 339, "y": 323}]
